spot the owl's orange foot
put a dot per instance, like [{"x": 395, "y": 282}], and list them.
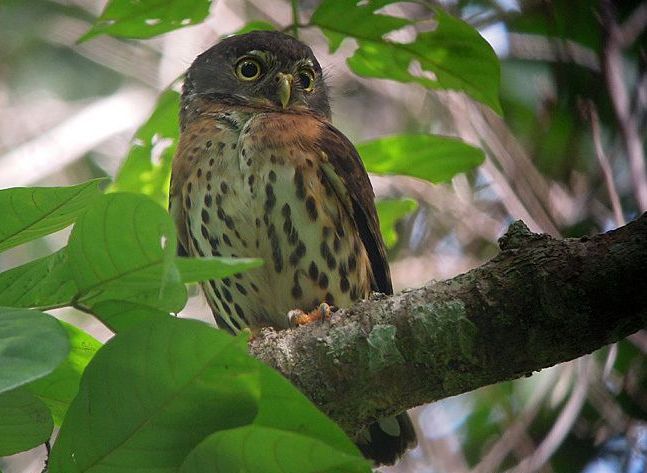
[{"x": 298, "y": 317}]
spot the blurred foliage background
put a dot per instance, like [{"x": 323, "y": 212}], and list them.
[{"x": 566, "y": 155}]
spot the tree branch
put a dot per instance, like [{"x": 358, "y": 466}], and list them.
[
  {"x": 614, "y": 76},
  {"x": 539, "y": 302}
]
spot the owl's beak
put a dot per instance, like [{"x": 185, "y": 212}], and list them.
[{"x": 284, "y": 87}]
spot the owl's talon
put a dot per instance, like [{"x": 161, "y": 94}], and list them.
[
  {"x": 294, "y": 317},
  {"x": 297, "y": 317}
]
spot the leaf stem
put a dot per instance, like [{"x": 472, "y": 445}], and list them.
[
  {"x": 295, "y": 18},
  {"x": 87, "y": 310}
]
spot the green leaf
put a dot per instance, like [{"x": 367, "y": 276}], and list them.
[
  {"x": 390, "y": 212},
  {"x": 25, "y": 422},
  {"x": 358, "y": 21},
  {"x": 32, "y": 345},
  {"x": 171, "y": 383},
  {"x": 147, "y": 18},
  {"x": 32, "y": 212},
  {"x": 287, "y": 420},
  {"x": 259, "y": 449},
  {"x": 147, "y": 169},
  {"x": 430, "y": 157},
  {"x": 284, "y": 407},
  {"x": 58, "y": 388},
  {"x": 123, "y": 315},
  {"x": 456, "y": 54},
  {"x": 123, "y": 248},
  {"x": 201, "y": 269},
  {"x": 295, "y": 437},
  {"x": 116, "y": 254},
  {"x": 42, "y": 283}
]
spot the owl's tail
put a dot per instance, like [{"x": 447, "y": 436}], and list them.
[{"x": 387, "y": 439}]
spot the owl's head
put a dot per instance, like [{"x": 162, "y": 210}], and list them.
[{"x": 264, "y": 69}]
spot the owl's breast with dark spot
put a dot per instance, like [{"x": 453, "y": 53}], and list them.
[{"x": 269, "y": 200}]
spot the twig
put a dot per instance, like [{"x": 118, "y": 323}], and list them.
[
  {"x": 608, "y": 407},
  {"x": 612, "y": 67},
  {"x": 605, "y": 166},
  {"x": 562, "y": 425},
  {"x": 69, "y": 141},
  {"x": 135, "y": 60},
  {"x": 522, "y": 189},
  {"x": 498, "y": 452},
  {"x": 295, "y": 18},
  {"x": 443, "y": 453},
  {"x": 537, "y": 47},
  {"x": 633, "y": 26}
]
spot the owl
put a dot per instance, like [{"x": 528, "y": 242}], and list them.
[{"x": 260, "y": 171}]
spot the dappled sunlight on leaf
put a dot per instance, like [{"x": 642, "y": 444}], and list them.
[
  {"x": 430, "y": 157},
  {"x": 147, "y": 168},
  {"x": 390, "y": 212},
  {"x": 147, "y": 18},
  {"x": 454, "y": 52}
]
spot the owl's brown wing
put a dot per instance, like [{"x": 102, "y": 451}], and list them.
[
  {"x": 178, "y": 214},
  {"x": 176, "y": 205},
  {"x": 346, "y": 173}
]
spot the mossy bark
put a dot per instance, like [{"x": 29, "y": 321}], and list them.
[{"x": 539, "y": 302}]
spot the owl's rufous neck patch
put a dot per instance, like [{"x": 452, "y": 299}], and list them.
[{"x": 281, "y": 129}]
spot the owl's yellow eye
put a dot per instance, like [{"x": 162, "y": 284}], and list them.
[
  {"x": 307, "y": 79},
  {"x": 248, "y": 69}
]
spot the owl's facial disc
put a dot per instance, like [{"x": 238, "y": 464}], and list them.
[
  {"x": 263, "y": 69},
  {"x": 269, "y": 81}
]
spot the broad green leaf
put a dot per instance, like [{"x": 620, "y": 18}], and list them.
[
  {"x": 358, "y": 21},
  {"x": 284, "y": 415},
  {"x": 200, "y": 269},
  {"x": 48, "y": 282},
  {"x": 42, "y": 283},
  {"x": 123, "y": 248},
  {"x": 32, "y": 345},
  {"x": 284, "y": 407},
  {"x": 122, "y": 315},
  {"x": 147, "y": 169},
  {"x": 152, "y": 393},
  {"x": 147, "y": 18},
  {"x": 259, "y": 449},
  {"x": 32, "y": 212},
  {"x": 25, "y": 422},
  {"x": 256, "y": 26},
  {"x": 116, "y": 253},
  {"x": 58, "y": 388},
  {"x": 455, "y": 53},
  {"x": 390, "y": 211},
  {"x": 430, "y": 157},
  {"x": 184, "y": 380}
]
